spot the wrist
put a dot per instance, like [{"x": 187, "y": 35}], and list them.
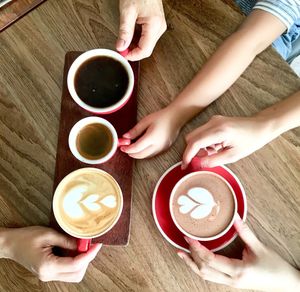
[
  {"x": 5, "y": 246},
  {"x": 284, "y": 115},
  {"x": 271, "y": 124},
  {"x": 176, "y": 116},
  {"x": 182, "y": 112}
]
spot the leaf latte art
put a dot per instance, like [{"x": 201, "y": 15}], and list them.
[
  {"x": 87, "y": 202},
  {"x": 75, "y": 204}
]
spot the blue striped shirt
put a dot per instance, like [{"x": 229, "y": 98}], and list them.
[{"x": 287, "y": 11}]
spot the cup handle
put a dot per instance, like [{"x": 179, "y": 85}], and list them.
[
  {"x": 195, "y": 164},
  {"x": 83, "y": 245},
  {"x": 124, "y": 53},
  {"x": 123, "y": 142}
]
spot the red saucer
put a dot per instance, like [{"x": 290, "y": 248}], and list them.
[{"x": 161, "y": 212}]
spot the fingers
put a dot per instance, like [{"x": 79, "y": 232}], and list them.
[
  {"x": 205, "y": 272},
  {"x": 198, "y": 131},
  {"x": 127, "y": 24},
  {"x": 74, "y": 277},
  {"x": 69, "y": 264},
  {"x": 199, "y": 142},
  {"x": 138, "y": 129},
  {"x": 217, "y": 277},
  {"x": 141, "y": 144},
  {"x": 223, "y": 157},
  {"x": 55, "y": 238},
  {"x": 151, "y": 32},
  {"x": 220, "y": 263},
  {"x": 248, "y": 236},
  {"x": 190, "y": 262},
  {"x": 147, "y": 152}
]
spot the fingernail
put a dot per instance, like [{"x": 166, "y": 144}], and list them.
[
  {"x": 97, "y": 245},
  {"x": 238, "y": 218},
  {"x": 238, "y": 221},
  {"x": 122, "y": 149},
  {"x": 126, "y": 135},
  {"x": 183, "y": 166},
  {"x": 203, "y": 162},
  {"x": 120, "y": 44},
  {"x": 180, "y": 255}
]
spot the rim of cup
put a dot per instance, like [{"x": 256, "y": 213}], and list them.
[
  {"x": 79, "y": 126},
  {"x": 91, "y": 54},
  {"x": 184, "y": 231},
  {"x": 60, "y": 185}
]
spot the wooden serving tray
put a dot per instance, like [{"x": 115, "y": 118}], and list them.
[
  {"x": 120, "y": 166},
  {"x": 14, "y": 10}
]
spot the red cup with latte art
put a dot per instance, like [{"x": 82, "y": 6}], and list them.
[
  {"x": 87, "y": 203},
  {"x": 203, "y": 205}
]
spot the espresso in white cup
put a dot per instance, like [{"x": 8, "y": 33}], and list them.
[{"x": 94, "y": 140}]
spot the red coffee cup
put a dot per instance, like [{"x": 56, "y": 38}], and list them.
[{"x": 67, "y": 202}]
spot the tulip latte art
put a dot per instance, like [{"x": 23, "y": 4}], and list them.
[
  {"x": 203, "y": 204},
  {"x": 87, "y": 202}
]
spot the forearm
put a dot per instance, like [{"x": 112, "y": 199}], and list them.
[
  {"x": 282, "y": 116},
  {"x": 217, "y": 75},
  {"x": 226, "y": 65}
]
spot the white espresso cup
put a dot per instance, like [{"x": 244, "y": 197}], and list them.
[
  {"x": 80, "y": 125},
  {"x": 91, "y": 55}
]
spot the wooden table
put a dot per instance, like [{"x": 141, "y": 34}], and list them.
[{"x": 31, "y": 62}]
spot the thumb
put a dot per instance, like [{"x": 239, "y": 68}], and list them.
[
  {"x": 220, "y": 158},
  {"x": 85, "y": 258},
  {"x": 64, "y": 241},
  {"x": 126, "y": 30},
  {"x": 248, "y": 236}
]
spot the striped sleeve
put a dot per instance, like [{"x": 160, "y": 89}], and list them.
[{"x": 288, "y": 11}]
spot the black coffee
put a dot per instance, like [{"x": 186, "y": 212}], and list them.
[
  {"x": 94, "y": 141},
  {"x": 101, "y": 82}
]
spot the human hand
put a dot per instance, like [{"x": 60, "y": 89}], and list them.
[
  {"x": 150, "y": 15},
  {"x": 260, "y": 268},
  {"x": 32, "y": 248},
  {"x": 159, "y": 130},
  {"x": 225, "y": 140}
]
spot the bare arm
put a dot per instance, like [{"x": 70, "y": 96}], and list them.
[
  {"x": 230, "y": 60},
  {"x": 284, "y": 115},
  {"x": 160, "y": 129},
  {"x": 228, "y": 139}
]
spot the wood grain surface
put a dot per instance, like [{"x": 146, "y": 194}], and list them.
[
  {"x": 32, "y": 56},
  {"x": 14, "y": 10}
]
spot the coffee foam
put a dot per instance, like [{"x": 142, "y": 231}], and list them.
[
  {"x": 87, "y": 202},
  {"x": 198, "y": 203},
  {"x": 203, "y": 205}
]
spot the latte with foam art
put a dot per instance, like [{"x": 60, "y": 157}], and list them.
[
  {"x": 203, "y": 205},
  {"x": 87, "y": 203}
]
